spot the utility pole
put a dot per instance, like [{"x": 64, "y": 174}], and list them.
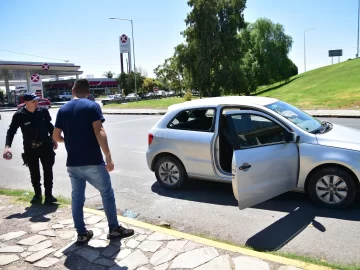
[
  {"x": 305, "y": 48},
  {"x": 357, "y": 52}
]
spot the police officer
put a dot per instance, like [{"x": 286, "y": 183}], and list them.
[{"x": 37, "y": 130}]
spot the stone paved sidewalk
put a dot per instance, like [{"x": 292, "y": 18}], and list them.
[{"x": 40, "y": 237}]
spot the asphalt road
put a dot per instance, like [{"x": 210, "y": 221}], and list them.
[{"x": 288, "y": 223}]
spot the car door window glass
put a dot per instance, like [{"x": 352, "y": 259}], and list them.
[
  {"x": 197, "y": 120},
  {"x": 255, "y": 130}
]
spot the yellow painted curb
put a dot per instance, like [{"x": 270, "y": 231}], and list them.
[{"x": 215, "y": 244}]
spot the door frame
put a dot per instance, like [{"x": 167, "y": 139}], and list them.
[{"x": 291, "y": 137}]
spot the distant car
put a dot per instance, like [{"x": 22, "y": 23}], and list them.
[
  {"x": 132, "y": 97},
  {"x": 91, "y": 97},
  {"x": 65, "y": 96},
  {"x": 264, "y": 147},
  {"x": 43, "y": 102}
]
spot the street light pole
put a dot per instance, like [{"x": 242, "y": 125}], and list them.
[
  {"x": 305, "y": 48},
  {"x": 357, "y": 52},
  {"x": 133, "y": 43}
]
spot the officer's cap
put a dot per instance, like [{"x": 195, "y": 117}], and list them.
[{"x": 30, "y": 96}]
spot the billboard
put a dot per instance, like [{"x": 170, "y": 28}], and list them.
[
  {"x": 333, "y": 53},
  {"x": 124, "y": 42},
  {"x": 36, "y": 85}
]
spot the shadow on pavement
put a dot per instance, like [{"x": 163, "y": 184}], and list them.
[
  {"x": 36, "y": 212},
  {"x": 301, "y": 211},
  {"x": 91, "y": 258},
  {"x": 200, "y": 191}
]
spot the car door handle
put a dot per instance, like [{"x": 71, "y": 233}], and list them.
[{"x": 245, "y": 166}]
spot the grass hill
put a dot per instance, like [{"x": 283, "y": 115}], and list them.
[{"x": 331, "y": 87}]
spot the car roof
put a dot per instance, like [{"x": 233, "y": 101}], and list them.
[{"x": 228, "y": 100}]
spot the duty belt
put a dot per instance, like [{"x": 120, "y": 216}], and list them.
[{"x": 36, "y": 144}]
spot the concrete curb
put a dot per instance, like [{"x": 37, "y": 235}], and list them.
[{"x": 215, "y": 244}]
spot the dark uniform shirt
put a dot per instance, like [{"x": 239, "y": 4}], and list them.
[{"x": 35, "y": 126}]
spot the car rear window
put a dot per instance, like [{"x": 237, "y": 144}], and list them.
[{"x": 195, "y": 120}]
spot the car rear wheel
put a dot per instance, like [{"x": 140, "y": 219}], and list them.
[
  {"x": 170, "y": 173},
  {"x": 64, "y": 99},
  {"x": 332, "y": 188}
]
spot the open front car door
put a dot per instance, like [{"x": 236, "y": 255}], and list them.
[{"x": 265, "y": 161}]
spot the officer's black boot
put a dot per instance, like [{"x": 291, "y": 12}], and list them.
[
  {"x": 49, "y": 198},
  {"x": 37, "y": 199}
]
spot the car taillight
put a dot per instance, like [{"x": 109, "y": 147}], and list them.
[{"x": 150, "y": 138}]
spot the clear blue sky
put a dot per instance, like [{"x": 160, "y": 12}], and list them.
[{"x": 80, "y": 31}]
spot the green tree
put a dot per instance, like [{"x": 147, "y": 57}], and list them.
[
  {"x": 212, "y": 50},
  {"x": 150, "y": 83},
  {"x": 169, "y": 74},
  {"x": 270, "y": 46},
  {"x": 127, "y": 82},
  {"x": 108, "y": 74}
]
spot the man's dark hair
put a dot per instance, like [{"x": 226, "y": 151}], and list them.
[{"x": 81, "y": 86}]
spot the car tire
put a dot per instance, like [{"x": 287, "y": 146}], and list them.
[
  {"x": 178, "y": 173},
  {"x": 325, "y": 193},
  {"x": 63, "y": 99}
]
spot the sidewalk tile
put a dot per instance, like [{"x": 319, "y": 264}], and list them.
[
  {"x": 66, "y": 249},
  {"x": 156, "y": 236},
  {"x": 12, "y": 235},
  {"x": 163, "y": 266},
  {"x": 39, "y": 255},
  {"x": 134, "y": 260},
  {"x": 11, "y": 249},
  {"x": 36, "y": 227},
  {"x": 178, "y": 246},
  {"x": 150, "y": 246},
  {"x": 7, "y": 259},
  {"x": 50, "y": 233},
  {"x": 88, "y": 254},
  {"x": 250, "y": 263},
  {"x": 41, "y": 246},
  {"x": 104, "y": 262},
  {"x": 162, "y": 256},
  {"x": 223, "y": 262},
  {"x": 32, "y": 240},
  {"x": 98, "y": 243},
  {"x": 123, "y": 253},
  {"x": 194, "y": 258},
  {"x": 47, "y": 262},
  {"x": 132, "y": 243}
]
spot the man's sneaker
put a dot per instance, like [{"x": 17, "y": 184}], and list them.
[
  {"x": 119, "y": 232},
  {"x": 83, "y": 239},
  {"x": 36, "y": 199},
  {"x": 50, "y": 199}
]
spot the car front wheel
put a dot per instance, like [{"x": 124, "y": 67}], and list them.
[
  {"x": 332, "y": 188},
  {"x": 170, "y": 173}
]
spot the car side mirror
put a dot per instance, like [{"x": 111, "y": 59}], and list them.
[{"x": 291, "y": 137}]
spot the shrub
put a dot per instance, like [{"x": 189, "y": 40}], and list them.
[{"x": 188, "y": 96}]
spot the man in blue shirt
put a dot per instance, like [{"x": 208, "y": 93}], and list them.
[{"x": 81, "y": 122}]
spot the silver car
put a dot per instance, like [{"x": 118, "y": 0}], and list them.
[{"x": 263, "y": 146}]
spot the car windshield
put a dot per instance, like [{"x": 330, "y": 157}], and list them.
[{"x": 295, "y": 115}]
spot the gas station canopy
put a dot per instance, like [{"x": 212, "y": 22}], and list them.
[{"x": 13, "y": 72}]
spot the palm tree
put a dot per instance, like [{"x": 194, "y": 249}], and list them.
[{"x": 108, "y": 74}]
